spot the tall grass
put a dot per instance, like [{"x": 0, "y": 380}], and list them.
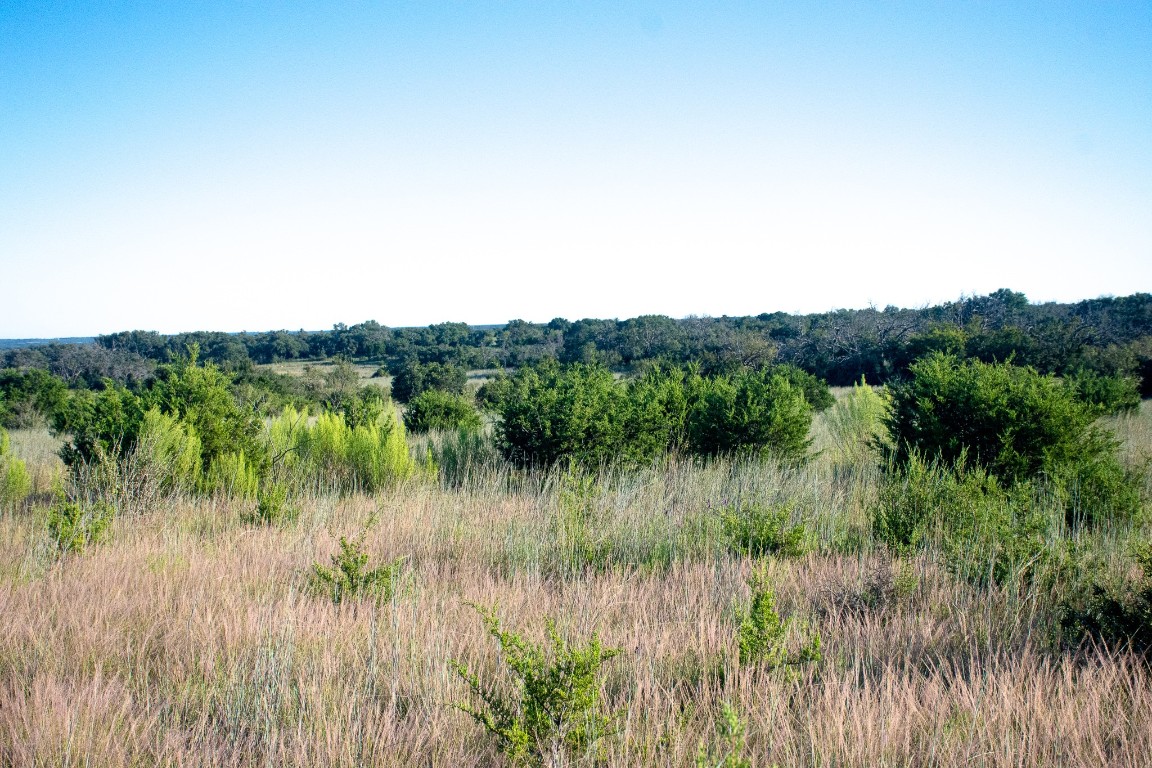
[{"x": 194, "y": 638}]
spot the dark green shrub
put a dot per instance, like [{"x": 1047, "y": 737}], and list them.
[
  {"x": 758, "y": 530},
  {"x": 551, "y": 413},
  {"x": 29, "y": 397},
  {"x": 993, "y": 534},
  {"x": 1106, "y": 394},
  {"x": 581, "y": 413},
  {"x": 437, "y": 410},
  {"x": 657, "y": 417},
  {"x": 364, "y": 406},
  {"x": 1097, "y": 488},
  {"x": 350, "y": 578},
  {"x": 815, "y": 389},
  {"x": 492, "y": 392},
  {"x": 749, "y": 413},
  {"x": 411, "y": 377},
  {"x": 1009, "y": 419},
  {"x": 910, "y": 501},
  {"x": 99, "y": 424},
  {"x": 1017, "y": 424},
  {"x": 552, "y": 710},
  {"x": 201, "y": 397},
  {"x": 985, "y": 530}
]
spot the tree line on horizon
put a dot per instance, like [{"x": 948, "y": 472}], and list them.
[{"x": 1108, "y": 336}]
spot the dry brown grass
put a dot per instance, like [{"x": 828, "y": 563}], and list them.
[{"x": 194, "y": 639}]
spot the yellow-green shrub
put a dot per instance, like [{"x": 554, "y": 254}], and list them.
[
  {"x": 15, "y": 482},
  {"x": 366, "y": 457},
  {"x": 234, "y": 475},
  {"x": 171, "y": 450}
]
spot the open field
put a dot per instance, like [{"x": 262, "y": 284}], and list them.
[
  {"x": 364, "y": 371},
  {"x": 193, "y": 638}
]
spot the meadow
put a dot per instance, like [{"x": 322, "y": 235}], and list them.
[{"x": 196, "y": 636}]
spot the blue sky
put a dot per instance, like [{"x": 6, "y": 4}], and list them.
[{"x": 230, "y": 166}]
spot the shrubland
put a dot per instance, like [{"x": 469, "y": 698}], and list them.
[{"x": 686, "y": 567}]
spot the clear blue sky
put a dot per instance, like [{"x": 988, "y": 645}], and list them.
[{"x": 228, "y": 166}]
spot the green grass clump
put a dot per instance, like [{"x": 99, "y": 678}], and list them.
[
  {"x": 553, "y": 712},
  {"x": 74, "y": 525},
  {"x": 763, "y": 636},
  {"x": 233, "y": 475},
  {"x": 350, "y": 578},
  {"x": 856, "y": 423},
  {"x": 272, "y": 505},
  {"x": 759, "y": 530}
]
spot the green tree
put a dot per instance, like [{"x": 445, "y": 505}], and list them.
[
  {"x": 30, "y": 396},
  {"x": 434, "y": 409},
  {"x": 99, "y": 424},
  {"x": 550, "y": 413},
  {"x": 749, "y": 413},
  {"x": 200, "y": 396},
  {"x": 1016, "y": 423},
  {"x": 411, "y": 377}
]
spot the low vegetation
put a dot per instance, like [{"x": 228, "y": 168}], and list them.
[{"x": 689, "y": 564}]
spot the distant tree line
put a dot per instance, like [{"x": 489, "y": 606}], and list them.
[{"x": 1107, "y": 335}]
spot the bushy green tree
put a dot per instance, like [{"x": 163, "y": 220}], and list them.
[
  {"x": 582, "y": 413},
  {"x": 815, "y": 389},
  {"x": 30, "y": 396},
  {"x": 411, "y": 377},
  {"x": 491, "y": 392},
  {"x": 437, "y": 410},
  {"x": 750, "y": 412},
  {"x": 1106, "y": 394},
  {"x": 200, "y": 396},
  {"x": 364, "y": 406},
  {"x": 99, "y": 424},
  {"x": 658, "y": 406},
  {"x": 1015, "y": 423},
  {"x": 552, "y": 413}
]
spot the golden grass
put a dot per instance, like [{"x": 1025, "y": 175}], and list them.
[{"x": 193, "y": 639}]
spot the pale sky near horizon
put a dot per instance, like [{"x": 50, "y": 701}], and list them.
[{"x": 258, "y": 165}]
